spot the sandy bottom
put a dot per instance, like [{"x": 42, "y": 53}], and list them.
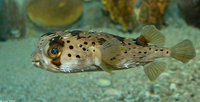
[{"x": 20, "y": 81}]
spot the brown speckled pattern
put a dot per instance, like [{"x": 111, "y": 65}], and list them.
[{"x": 78, "y": 43}]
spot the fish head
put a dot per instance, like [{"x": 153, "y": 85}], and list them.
[{"x": 48, "y": 51}]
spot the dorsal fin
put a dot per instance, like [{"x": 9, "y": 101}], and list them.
[{"x": 150, "y": 35}]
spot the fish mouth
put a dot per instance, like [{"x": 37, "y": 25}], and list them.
[{"x": 36, "y": 63}]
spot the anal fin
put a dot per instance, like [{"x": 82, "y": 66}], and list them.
[{"x": 154, "y": 69}]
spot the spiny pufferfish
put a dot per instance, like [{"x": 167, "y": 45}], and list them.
[{"x": 83, "y": 51}]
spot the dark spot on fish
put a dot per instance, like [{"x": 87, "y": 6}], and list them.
[
  {"x": 167, "y": 52},
  {"x": 140, "y": 57},
  {"x": 134, "y": 39},
  {"x": 156, "y": 50},
  {"x": 56, "y": 62},
  {"x": 93, "y": 50},
  {"x": 68, "y": 41},
  {"x": 56, "y": 40},
  {"x": 84, "y": 49},
  {"x": 69, "y": 55},
  {"x": 71, "y": 47},
  {"x": 77, "y": 34},
  {"x": 101, "y": 40},
  {"x": 125, "y": 52},
  {"x": 112, "y": 58},
  {"x": 134, "y": 55},
  {"x": 78, "y": 56},
  {"x": 145, "y": 52},
  {"x": 80, "y": 37},
  {"x": 89, "y": 36},
  {"x": 139, "y": 52},
  {"x": 80, "y": 45},
  {"x": 149, "y": 48},
  {"x": 129, "y": 43},
  {"x": 93, "y": 43},
  {"x": 161, "y": 49},
  {"x": 85, "y": 43}
]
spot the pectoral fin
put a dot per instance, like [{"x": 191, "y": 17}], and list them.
[
  {"x": 154, "y": 69},
  {"x": 150, "y": 35},
  {"x": 106, "y": 67},
  {"x": 105, "y": 52},
  {"x": 110, "y": 49}
]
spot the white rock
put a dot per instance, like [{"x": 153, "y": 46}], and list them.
[
  {"x": 103, "y": 82},
  {"x": 172, "y": 87},
  {"x": 113, "y": 92},
  {"x": 165, "y": 75}
]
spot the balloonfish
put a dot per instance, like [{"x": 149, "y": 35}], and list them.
[{"x": 83, "y": 51}]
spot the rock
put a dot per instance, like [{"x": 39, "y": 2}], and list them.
[
  {"x": 176, "y": 97},
  {"x": 165, "y": 75},
  {"x": 54, "y": 13},
  {"x": 156, "y": 85},
  {"x": 113, "y": 92},
  {"x": 149, "y": 15},
  {"x": 121, "y": 11},
  {"x": 156, "y": 97},
  {"x": 172, "y": 86},
  {"x": 103, "y": 82}
]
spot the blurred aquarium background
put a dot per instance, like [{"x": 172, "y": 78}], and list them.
[{"x": 22, "y": 22}]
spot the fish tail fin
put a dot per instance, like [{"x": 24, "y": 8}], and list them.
[
  {"x": 183, "y": 51},
  {"x": 154, "y": 69}
]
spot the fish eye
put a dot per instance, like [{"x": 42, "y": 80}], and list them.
[{"x": 54, "y": 51}]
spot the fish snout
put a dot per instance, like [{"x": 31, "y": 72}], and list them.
[{"x": 36, "y": 60}]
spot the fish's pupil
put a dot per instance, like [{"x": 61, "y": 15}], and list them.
[{"x": 54, "y": 51}]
